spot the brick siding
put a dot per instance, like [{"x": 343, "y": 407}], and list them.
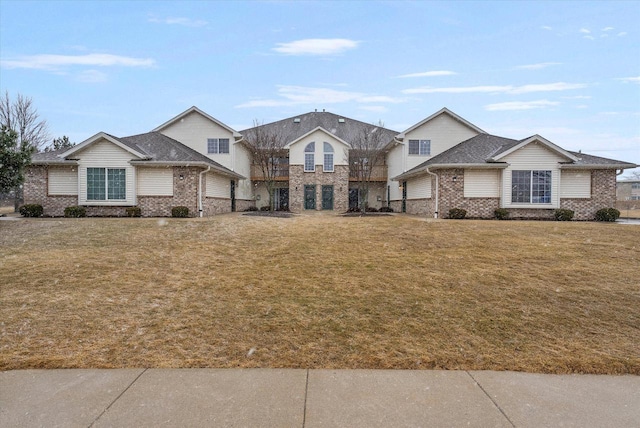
[{"x": 339, "y": 179}]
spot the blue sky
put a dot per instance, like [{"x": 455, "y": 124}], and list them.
[{"x": 569, "y": 71}]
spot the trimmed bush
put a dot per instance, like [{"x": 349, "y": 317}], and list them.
[
  {"x": 251, "y": 208},
  {"x": 501, "y": 213},
  {"x": 75, "y": 212},
  {"x": 563, "y": 214},
  {"x": 265, "y": 208},
  {"x": 371, "y": 210},
  {"x": 180, "y": 212},
  {"x": 31, "y": 210},
  {"x": 457, "y": 213},
  {"x": 386, "y": 210},
  {"x": 133, "y": 211},
  {"x": 607, "y": 214}
]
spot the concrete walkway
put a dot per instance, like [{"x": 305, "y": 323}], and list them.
[{"x": 314, "y": 398}]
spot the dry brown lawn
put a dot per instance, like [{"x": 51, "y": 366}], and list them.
[{"x": 320, "y": 291}]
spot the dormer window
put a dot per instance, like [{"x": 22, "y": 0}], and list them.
[
  {"x": 309, "y": 157},
  {"x": 217, "y": 145},
  {"x": 420, "y": 147}
]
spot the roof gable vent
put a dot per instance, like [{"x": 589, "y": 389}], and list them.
[
  {"x": 341, "y": 120},
  {"x": 296, "y": 120}
]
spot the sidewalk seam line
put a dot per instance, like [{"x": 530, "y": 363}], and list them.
[
  {"x": 118, "y": 397},
  {"x": 306, "y": 392},
  {"x": 491, "y": 398}
]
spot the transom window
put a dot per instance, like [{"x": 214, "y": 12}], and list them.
[
  {"x": 106, "y": 184},
  {"x": 217, "y": 145},
  {"x": 420, "y": 147},
  {"x": 309, "y": 157},
  {"x": 328, "y": 158},
  {"x": 531, "y": 187}
]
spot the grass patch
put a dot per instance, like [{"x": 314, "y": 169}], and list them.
[{"x": 320, "y": 292}]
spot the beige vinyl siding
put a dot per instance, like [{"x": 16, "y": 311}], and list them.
[
  {"x": 104, "y": 154},
  {"x": 244, "y": 189},
  {"x": 395, "y": 168},
  {"x": 193, "y": 130},
  {"x": 340, "y": 151},
  {"x": 218, "y": 186},
  {"x": 419, "y": 188},
  {"x": 443, "y": 131},
  {"x": 63, "y": 181},
  {"x": 575, "y": 184},
  {"x": 532, "y": 157},
  {"x": 479, "y": 183},
  {"x": 155, "y": 181}
]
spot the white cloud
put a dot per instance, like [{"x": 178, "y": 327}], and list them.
[
  {"x": 520, "y": 105},
  {"x": 589, "y": 37},
  {"x": 538, "y": 66},
  {"x": 546, "y": 27},
  {"x": 55, "y": 62},
  {"x": 187, "y": 22},
  {"x": 316, "y": 47},
  {"x": 379, "y": 109},
  {"x": 623, "y": 33},
  {"x": 507, "y": 89},
  {"x": 630, "y": 79},
  {"x": 607, "y": 28},
  {"x": 429, "y": 74},
  {"x": 296, "y": 95},
  {"x": 92, "y": 76},
  {"x": 585, "y": 31},
  {"x": 578, "y": 97}
]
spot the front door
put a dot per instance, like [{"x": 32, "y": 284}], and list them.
[
  {"x": 404, "y": 196},
  {"x": 353, "y": 199},
  {"x": 309, "y": 197},
  {"x": 282, "y": 199},
  {"x": 327, "y": 197},
  {"x": 233, "y": 196}
]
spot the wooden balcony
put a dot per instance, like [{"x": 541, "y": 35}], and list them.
[
  {"x": 379, "y": 173},
  {"x": 281, "y": 173}
]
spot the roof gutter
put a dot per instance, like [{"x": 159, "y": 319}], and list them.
[
  {"x": 435, "y": 213},
  {"x": 200, "y": 188}
]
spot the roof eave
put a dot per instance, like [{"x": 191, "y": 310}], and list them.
[
  {"x": 423, "y": 170},
  {"x": 598, "y": 166},
  {"x": 158, "y": 164}
]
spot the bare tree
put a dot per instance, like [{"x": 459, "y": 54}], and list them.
[
  {"x": 269, "y": 156},
  {"x": 366, "y": 153},
  {"x": 21, "y": 116}
]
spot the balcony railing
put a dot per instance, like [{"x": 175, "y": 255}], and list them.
[
  {"x": 281, "y": 173},
  {"x": 378, "y": 173}
]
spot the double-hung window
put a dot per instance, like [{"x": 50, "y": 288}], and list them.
[
  {"x": 217, "y": 145},
  {"x": 328, "y": 158},
  {"x": 531, "y": 187},
  {"x": 106, "y": 184},
  {"x": 309, "y": 157},
  {"x": 420, "y": 147}
]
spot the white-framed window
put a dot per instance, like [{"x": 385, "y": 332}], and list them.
[
  {"x": 420, "y": 147},
  {"x": 531, "y": 187},
  {"x": 106, "y": 184},
  {"x": 635, "y": 186},
  {"x": 217, "y": 145},
  {"x": 309, "y": 157},
  {"x": 328, "y": 157}
]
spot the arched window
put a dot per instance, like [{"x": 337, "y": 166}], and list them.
[
  {"x": 309, "y": 157},
  {"x": 328, "y": 158}
]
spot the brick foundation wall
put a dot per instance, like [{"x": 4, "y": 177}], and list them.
[
  {"x": 423, "y": 207},
  {"x": 339, "y": 179},
  {"x": 603, "y": 195},
  {"x": 213, "y": 206},
  {"x": 396, "y": 206},
  {"x": 36, "y": 191},
  {"x": 243, "y": 204}
]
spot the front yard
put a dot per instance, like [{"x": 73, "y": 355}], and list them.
[{"x": 320, "y": 292}]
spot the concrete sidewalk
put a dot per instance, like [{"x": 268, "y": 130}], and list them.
[{"x": 314, "y": 398}]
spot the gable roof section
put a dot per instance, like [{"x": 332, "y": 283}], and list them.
[
  {"x": 99, "y": 136},
  {"x": 321, "y": 129},
  {"x": 586, "y": 161},
  {"x": 534, "y": 138},
  {"x": 341, "y": 127},
  {"x": 195, "y": 109},
  {"x": 443, "y": 110}
]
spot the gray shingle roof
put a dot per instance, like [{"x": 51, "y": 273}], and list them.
[{"x": 347, "y": 130}]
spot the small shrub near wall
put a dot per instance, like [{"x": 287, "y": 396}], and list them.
[
  {"x": 563, "y": 214},
  {"x": 457, "y": 213},
  {"x": 133, "y": 211},
  {"x": 251, "y": 208},
  {"x": 180, "y": 212},
  {"x": 371, "y": 210},
  {"x": 75, "y": 212},
  {"x": 386, "y": 210},
  {"x": 31, "y": 210},
  {"x": 607, "y": 214},
  {"x": 501, "y": 213}
]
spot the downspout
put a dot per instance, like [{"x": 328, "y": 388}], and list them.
[
  {"x": 435, "y": 213},
  {"x": 200, "y": 189},
  {"x": 619, "y": 172}
]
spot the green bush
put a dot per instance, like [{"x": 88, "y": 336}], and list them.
[
  {"x": 563, "y": 214},
  {"x": 180, "y": 212},
  {"x": 607, "y": 214},
  {"x": 386, "y": 210},
  {"x": 251, "y": 208},
  {"x": 31, "y": 210},
  {"x": 501, "y": 213},
  {"x": 75, "y": 212},
  {"x": 133, "y": 211},
  {"x": 457, "y": 213}
]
